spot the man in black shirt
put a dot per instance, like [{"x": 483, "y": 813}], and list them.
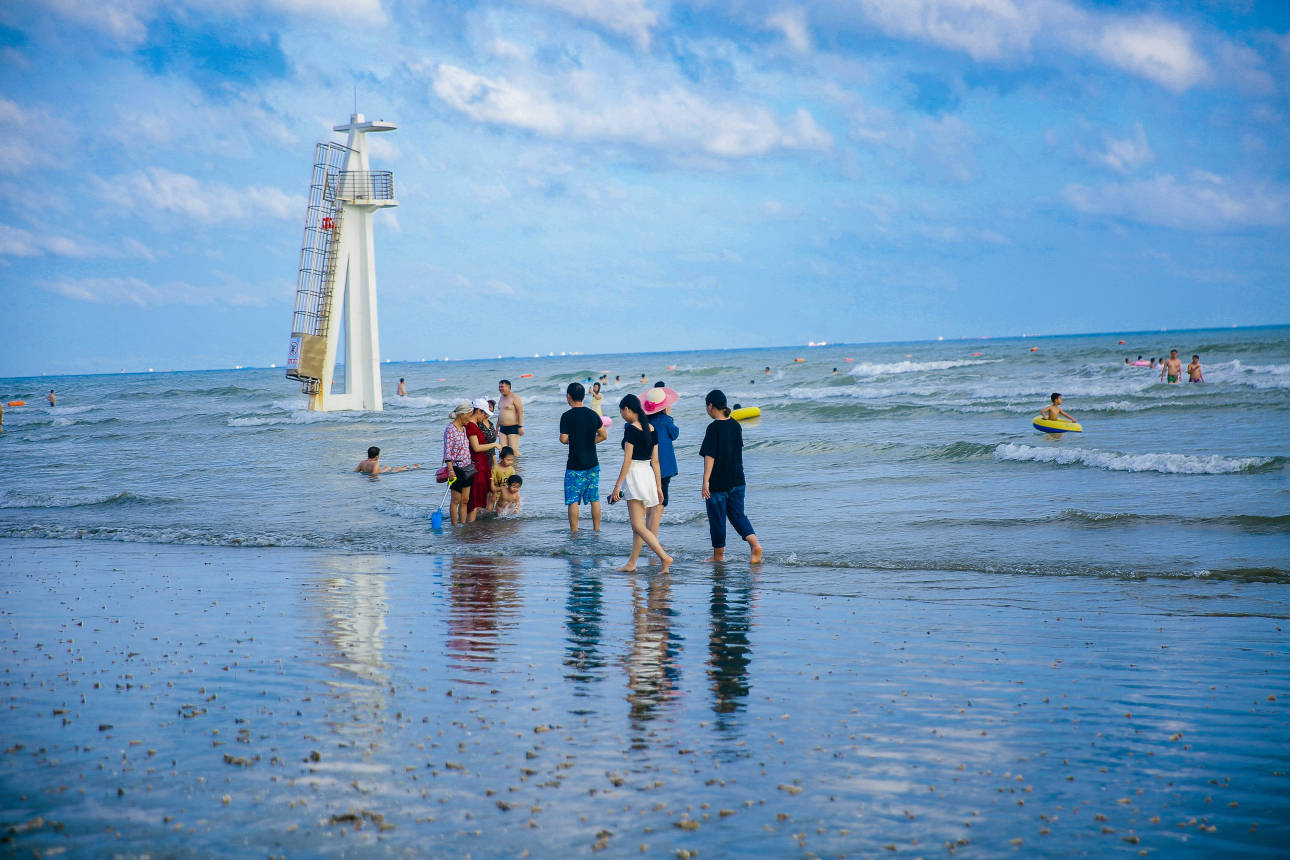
[{"x": 581, "y": 429}]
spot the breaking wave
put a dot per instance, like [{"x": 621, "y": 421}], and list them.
[{"x": 1171, "y": 464}]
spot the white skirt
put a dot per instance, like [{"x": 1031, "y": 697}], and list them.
[{"x": 640, "y": 483}]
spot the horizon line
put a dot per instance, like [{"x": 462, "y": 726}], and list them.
[{"x": 940, "y": 339}]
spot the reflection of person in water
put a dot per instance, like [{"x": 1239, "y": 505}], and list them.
[
  {"x": 584, "y": 614},
  {"x": 652, "y": 667},
  {"x": 728, "y": 648},
  {"x": 484, "y": 604}
]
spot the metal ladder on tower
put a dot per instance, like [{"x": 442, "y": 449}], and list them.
[{"x": 316, "y": 281}]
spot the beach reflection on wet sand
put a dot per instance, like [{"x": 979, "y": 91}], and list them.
[{"x": 228, "y": 701}]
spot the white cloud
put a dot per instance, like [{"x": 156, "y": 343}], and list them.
[
  {"x": 123, "y": 20},
  {"x": 984, "y": 29},
  {"x": 792, "y": 23},
  {"x": 133, "y": 291},
  {"x": 16, "y": 242},
  {"x": 1125, "y": 154},
  {"x": 1204, "y": 202},
  {"x": 631, "y": 18},
  {"x": 1149, "y": 46},
  {"x": 491, "y": 287},
  {"x": 1155, "y": 49},
  {"x": 24, "y": 137},
  {"x": 674, "y": 119},
  {"x": 157, "y": 190},
  {"x": 126, "y": 21},
  {"x": 941, "y": 147}
]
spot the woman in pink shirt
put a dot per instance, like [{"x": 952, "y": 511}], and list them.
[{"x": 456, "y": 452}]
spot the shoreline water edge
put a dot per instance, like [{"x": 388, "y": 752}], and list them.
[{"x": 966, "y": 637}]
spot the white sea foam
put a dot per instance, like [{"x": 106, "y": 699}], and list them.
[
  {"x": 1253, "y": 375},
  {"x": 886, "y": 369},
  {"x": 1173, "y": 464}
]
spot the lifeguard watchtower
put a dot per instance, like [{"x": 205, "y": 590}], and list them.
[{"x": 338, "y": 263}]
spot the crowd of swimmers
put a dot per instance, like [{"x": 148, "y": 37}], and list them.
[
  {"x": 1170, "y": 368},
  {"x": 481, "y": 445}
]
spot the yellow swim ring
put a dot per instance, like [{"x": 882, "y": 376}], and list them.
[
  {"x": 745, "y": 412},
  {"x": 1047, "y": 425}
]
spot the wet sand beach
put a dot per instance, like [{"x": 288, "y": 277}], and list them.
[{"x": 233, "y": 701}]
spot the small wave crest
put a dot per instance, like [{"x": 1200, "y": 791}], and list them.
[
  {"x": 867, "y": 368},
  {"x": 16, "y": 499},
  {"x": 1171, "y": 464},
  {"x": 1254, "y": 375}
]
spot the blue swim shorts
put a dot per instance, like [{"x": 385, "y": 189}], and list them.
[{"x": 582, "y": 487}]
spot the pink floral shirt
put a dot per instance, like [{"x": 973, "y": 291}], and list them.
[{"x": 455, "y": 446}]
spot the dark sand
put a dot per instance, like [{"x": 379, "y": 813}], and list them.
[{"x": 195, "y": 701}]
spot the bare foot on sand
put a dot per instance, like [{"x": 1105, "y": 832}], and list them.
[
  {"x": 755, "y": 558},
  {"x": 627, "y": 568},
  {"x": 717, "y": 555}
]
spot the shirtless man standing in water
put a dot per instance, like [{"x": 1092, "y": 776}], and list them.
[
  {"x": 1171, "y": 367},
  {"x": 510, "y": 417}
]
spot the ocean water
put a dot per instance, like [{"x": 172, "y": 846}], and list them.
[{"x": 912, "y": 456}]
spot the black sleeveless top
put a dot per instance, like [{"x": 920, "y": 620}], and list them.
[{"x": 642, "y": 441}]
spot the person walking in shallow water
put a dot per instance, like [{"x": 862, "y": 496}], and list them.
[
  {"x": 723, "y": 478},
  {"x": 639, "y": 481},
  {"x": 581, "y": 429}
]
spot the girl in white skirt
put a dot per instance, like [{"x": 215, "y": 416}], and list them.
[{"x": 639, "y": 481}]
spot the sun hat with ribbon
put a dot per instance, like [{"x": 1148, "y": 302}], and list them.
[
  {"x": 481, "y": 403},
  {"x": 658, "y": 399},
  {"x": 462, "y": 408}
]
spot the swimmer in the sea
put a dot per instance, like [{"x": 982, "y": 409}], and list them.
[
  {"x": 53, "y": 401},
  {"x": 372, "y": 465},
  {"x": 1055, "y": 412},
  {"x": 1194, "y": 373},
  {"x": 403, "y": 391},
  {"x": 1171, "y": 368}
]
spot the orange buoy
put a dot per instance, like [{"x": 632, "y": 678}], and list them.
[
  {"x": 1034, "y": 349},
  {"x": 799, "y": 359},
  {"x": 671, "y": 367},
  {"x": 976, "y": 354},
  {"x": 16, "y": 403},
  {"x": 848, "y": 359},
  {"x": 1119, "y": 341},
  {"x": 526, "y": 376}
]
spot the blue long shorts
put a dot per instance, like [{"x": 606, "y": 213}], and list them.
[{"x": 723, "y": 506}]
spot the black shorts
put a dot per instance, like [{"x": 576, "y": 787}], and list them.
[
  {"x": 666, "y": 481},
  {"x": 509, "y": 429},
  {"x": 462, "y": 483}
]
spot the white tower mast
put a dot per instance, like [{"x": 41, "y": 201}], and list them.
[{"x": 338, "y": 263}]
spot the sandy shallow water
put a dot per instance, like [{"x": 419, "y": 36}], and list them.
[{"x": 171, "y": 700}]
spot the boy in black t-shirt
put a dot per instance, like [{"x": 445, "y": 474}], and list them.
[
  {"x": 723, "y": 478},
  {"x": 581, "y": 429}
]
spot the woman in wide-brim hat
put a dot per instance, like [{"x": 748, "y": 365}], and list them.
[
  {"x": 456, "y": 453},
  {"x": 657, "y": 405}
]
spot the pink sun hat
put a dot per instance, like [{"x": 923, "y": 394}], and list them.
[{"x": 658, "y": 399}]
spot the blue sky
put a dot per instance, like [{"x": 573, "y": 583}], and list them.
[{"x": 628, "y": 175}]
